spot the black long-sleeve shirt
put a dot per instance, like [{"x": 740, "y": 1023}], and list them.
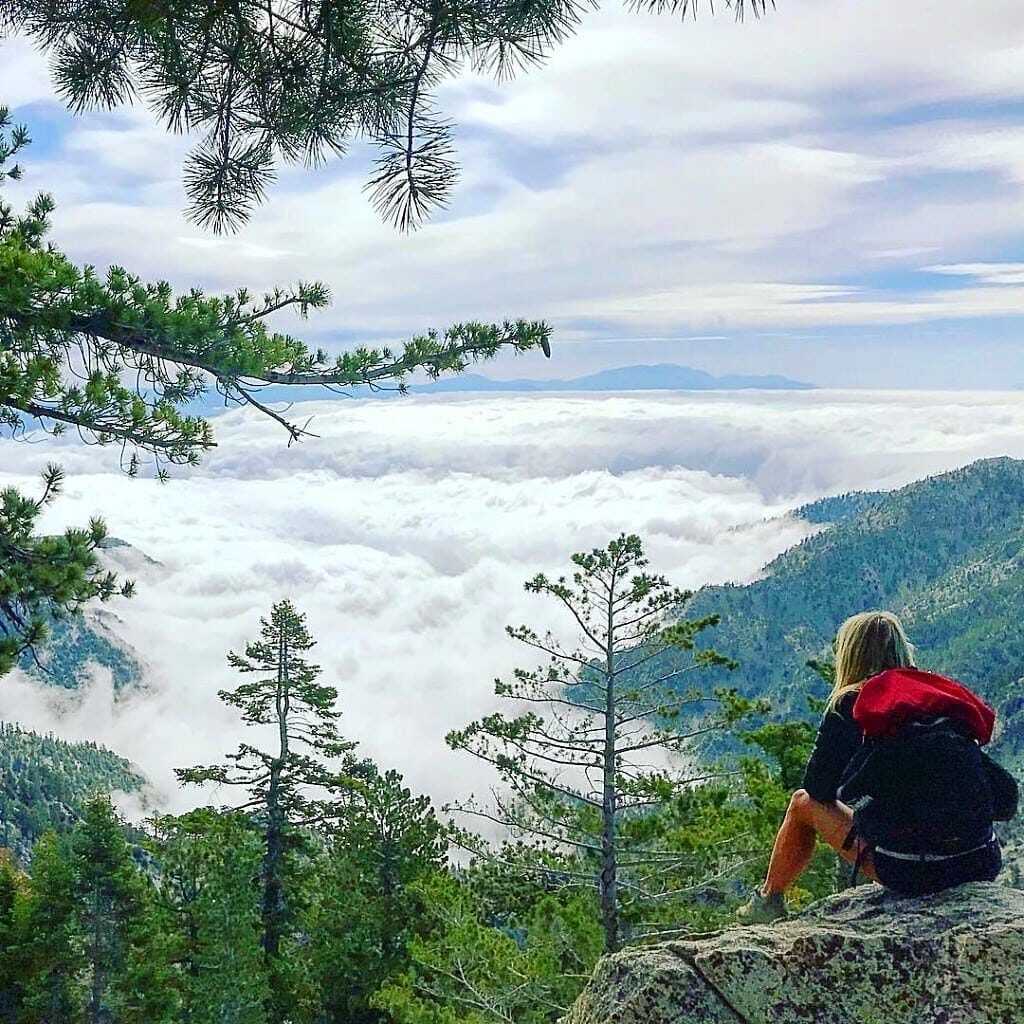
[{"x": 838, "y": 739}]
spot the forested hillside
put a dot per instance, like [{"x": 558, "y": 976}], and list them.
[
  {"x": 75, "y": 646},
  {"x": 78, "y": 644},
  {"x": 45, "y": 782},
  {"x": 944, "y": 553}
]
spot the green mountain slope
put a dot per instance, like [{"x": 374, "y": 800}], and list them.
[
  {"x": 945, "y": 553},
  {"x": 840, "y": 506},
  {"x": 44, "y": 781},
  {"x": 76, "y": 645}
]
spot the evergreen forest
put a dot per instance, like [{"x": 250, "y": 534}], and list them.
[{"x": 328, "y": 891}]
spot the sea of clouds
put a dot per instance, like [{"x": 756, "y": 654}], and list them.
[{"x": 406, "y": 530}]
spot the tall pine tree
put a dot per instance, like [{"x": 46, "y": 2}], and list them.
[
  {"x": 581, "y": 765},
  {"x": 292, "y": 787}
]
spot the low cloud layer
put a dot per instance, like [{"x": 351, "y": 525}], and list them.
[{"x": 407, "y": 529}]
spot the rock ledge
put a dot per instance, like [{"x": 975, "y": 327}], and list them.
[{"x": 861, "y": 957}]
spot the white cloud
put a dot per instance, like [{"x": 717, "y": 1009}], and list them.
[
  {"x": 765, "y": 305},
  {"x": 407, "y": 530},
  {"x": 23, "y": 74},
  {"x": 989, "y": 273},
  {"x": 651, "y": 176}
]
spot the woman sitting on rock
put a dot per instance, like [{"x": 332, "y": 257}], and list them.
[{"x": 903, "y": 747}]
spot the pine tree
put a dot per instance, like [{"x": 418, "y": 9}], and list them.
[
  {"x": 269, "y": 79},
  {"x": 208, "y": 866},
  {"x": 52, "y": 947},
  {"x": 291, "y": 788},
  {"x": 126, "y": 959},
  {"x": 42, "y": 578},
  {"x": 465, "y": 969},
  {"x": 364, "y": 913},
  {"x": 580, "y": 776}
]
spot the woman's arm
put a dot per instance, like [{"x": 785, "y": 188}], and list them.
[
  {"x": 1003, "y": 787},
  {"x": 839, "y": 738}
]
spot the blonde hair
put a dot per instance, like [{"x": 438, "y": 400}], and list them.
[{"x": 866, "y": 644}]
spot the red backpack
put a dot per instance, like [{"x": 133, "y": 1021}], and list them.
[
  {"x": 900, "y": 695},
  {"x": 921, "y": 784}
]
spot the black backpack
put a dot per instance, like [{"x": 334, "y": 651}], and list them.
[{"x": 929, "y": 788}]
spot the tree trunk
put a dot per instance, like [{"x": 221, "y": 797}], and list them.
[
  {"x": 273, "y": 886},
  {"x": 609, "y": 879},
  {"x": 272, "y": 894},
  {"x": 273, "y": 910},
  {"x": 98, "y": 987}
]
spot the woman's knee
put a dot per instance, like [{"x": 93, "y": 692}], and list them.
[{"x": 800, "y": 804}]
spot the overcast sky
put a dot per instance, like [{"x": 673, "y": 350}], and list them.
[{"x": 835, "y": 192}]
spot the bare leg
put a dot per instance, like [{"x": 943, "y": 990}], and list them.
[{"x": 794, "y": 845}]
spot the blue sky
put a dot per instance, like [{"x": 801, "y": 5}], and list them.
[{"x": 834, "y": 192}]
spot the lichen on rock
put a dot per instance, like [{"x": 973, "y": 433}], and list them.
[{"x": 865, "y": 956}]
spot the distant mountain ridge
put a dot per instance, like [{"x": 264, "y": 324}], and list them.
[{"x": 659, "y": 377}]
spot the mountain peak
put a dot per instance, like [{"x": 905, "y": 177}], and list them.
[{"x": 638, "y": 377}]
